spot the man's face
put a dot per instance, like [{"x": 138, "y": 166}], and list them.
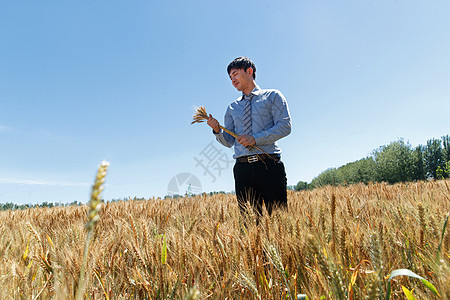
[{"x": 241, "y": 79}]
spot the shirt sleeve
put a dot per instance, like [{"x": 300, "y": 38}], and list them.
[
  {"x": 223, "y": 137},
  {"x": 281, "y": 122}
]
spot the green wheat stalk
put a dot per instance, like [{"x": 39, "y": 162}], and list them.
[{"x": 275, "y": 260}]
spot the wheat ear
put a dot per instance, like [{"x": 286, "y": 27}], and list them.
[{"x": 94, "y": 209}]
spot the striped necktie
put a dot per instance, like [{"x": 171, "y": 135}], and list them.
[{"x": 248, "y": 115}]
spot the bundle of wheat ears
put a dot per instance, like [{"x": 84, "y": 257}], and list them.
[{"x": 201, "y": 116}]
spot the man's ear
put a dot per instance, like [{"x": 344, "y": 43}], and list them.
[{"x": 249, "y": 71}]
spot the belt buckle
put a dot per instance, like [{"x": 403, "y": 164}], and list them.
[{"x": 252, "y": 159}]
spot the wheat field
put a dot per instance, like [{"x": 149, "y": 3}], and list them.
[{"x": 332, "y": 243}]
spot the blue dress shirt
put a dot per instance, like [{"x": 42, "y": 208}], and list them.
[{"x": 271, "y": 121}]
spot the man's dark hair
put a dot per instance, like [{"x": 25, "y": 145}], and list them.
[{"x": 242, "y": 63}]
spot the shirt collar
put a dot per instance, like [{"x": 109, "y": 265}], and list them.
[{"x": 256, "y": 92}]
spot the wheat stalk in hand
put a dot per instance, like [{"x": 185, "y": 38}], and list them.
[{"x": 201, "y": 116}]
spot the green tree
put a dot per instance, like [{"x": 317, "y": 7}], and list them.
[
  {"x": 363, "y": 170},
  {"x": 434, "y": 158},
  {"x": 394, "y": 162},
  {"x": 327, "y": 177},
  {"x": 446, "y": 149},
  {"x": 444, "y": 172},
  {"x": 439, "y": 173},
  {"x": 418, "y": 172},
  {"x": 301, "y": 185}
]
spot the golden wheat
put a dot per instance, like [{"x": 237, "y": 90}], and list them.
[{"x": 197, "y": 247}]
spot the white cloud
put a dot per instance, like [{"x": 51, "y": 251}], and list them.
[{"x": 23, "y": 181}]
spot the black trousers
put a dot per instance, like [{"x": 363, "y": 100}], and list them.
[{"x": 261, "y": 182}]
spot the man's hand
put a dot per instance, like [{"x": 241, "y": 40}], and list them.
[
  {"x": 214, "y": 124},
  {"x": 246, "y": 140}
]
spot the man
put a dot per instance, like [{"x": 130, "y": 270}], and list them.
[{"x": 259, "y": 117}]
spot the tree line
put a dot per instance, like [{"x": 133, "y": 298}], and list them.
[
  {"x": 396, "y": 162},
  {"x": 15, "y": 206}
]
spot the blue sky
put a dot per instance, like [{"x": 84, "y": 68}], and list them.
[{"x": 86, "y": 81}]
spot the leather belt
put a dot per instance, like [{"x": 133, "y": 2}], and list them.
[{"x": 255, "y": 158}]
